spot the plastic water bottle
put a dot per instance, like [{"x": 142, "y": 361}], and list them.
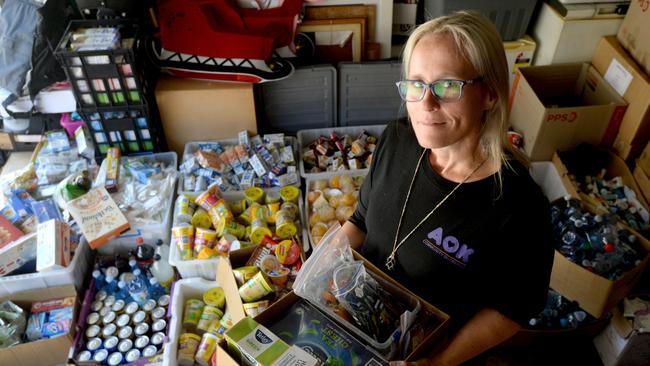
[
  {"x": 138, "y": 288},
  {"x": 99, "y": 279},
  {"x": 162, "y": 250},
  {"x": 162, "y": 271},
  {"x": 155, "y": 289},
  {"x": 122, "y": 292},
  {"x": 111, "y": 285}
]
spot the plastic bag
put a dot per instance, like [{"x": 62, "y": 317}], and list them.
[
  {"x": 12, "y": 324},
  {"x": 365, "y": 300},
  {"x": 314, "y": 279}
]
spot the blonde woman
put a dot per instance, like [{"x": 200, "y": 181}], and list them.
[{"x": 447, "y": 209}]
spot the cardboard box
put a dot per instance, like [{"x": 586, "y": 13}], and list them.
[
  {"x": 630, "y": 82},
  {"x": 644, "y": 160},
  {"x": 196, "y": 110},
  {"x": 642, "y": 180},
  {"x": 562, "y": 40},
  {"x": 560, "y": 106},
  {"x": 53, "y": 245},
  {"x": 615, "y": 167},
  {"x": 519, "y": 53},
  {"x": 634, "y": 31},
  {"x": 428, "y": 345},
  {"x": 595, "y": 294},
  {"x": 620, "y": 344},
  {"x": 46, "y": 351}
]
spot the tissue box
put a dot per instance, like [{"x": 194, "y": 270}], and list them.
[{"x": 53, "y": 250}]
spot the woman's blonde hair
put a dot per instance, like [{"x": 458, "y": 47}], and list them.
[{"x": 477, "y": 40}]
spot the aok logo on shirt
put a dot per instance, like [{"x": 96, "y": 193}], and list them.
[{"x": 449, "y": 247}]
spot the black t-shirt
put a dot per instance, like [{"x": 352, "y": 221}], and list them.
[{"x": 481, "y": 248}]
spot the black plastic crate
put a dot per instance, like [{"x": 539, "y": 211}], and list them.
[
  {"x": 131, "y": 129},
  {"x": 104, "y": 78}
]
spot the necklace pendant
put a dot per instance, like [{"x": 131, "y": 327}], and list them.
[{"x": 390, "y": 262}]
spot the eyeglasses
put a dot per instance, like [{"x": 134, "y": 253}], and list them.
[{"x": 445, "y": 90}]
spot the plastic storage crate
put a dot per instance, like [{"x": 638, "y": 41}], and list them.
[
  {"x": 150, "y": 233},
  {"x": 102, "y": 78},
  {"x": 511, "y": 17},
  {"x": 307, "y": 136},
  {"x": 307, "y": 99},
  {"x": 74, "y": 274},
  {"x": 306, "y": 207},
  {"x": 131, "y": 129},
  {"x": 193, "y": 146},
  {"x": 207, "y": 268},
  {"x": 367, "y": 93}
]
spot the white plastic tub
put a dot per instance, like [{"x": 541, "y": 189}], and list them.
[
  {"x": 152, "y": 232},
  {"x": 74, "y": 274},
  {"x": 309, "y": 183},
  {"x": 193, "y": 146},
  {"x": 307, "y": 136},
  {"x": 206, "y": 268}
]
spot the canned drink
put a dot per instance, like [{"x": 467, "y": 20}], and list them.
[
  {"x": 187, "y": 345},
  {"x": 226, "y": 320},
  {"x": 109, "y": 301},
  {"x": 201, "y": 218},
  {"x": 284, "y": 225},
  {"x": 109, "y": 330},
  {"x": 93, "y": 344},
  {"x": 110, "y": 344},
  {"x": 115, "y": 359},
  {"x": 123, "y": 320},
  {"x": 139, "y": 317},
  {"x": 215, "y": 296},
  {"x": 84, "y": 356},
  {"x": 224, "y": 245},
  {"x": 109, "y": 317},
  {"x": 119, "y": 305},
  {"x": 141, "y": 329},
  {"x": 238, "y": 207},
  {"x": 92, "y": 318},
  {"x": 157, "y": 338},
  {"x": 132, "y": 356},
  {"x": 125, "y": 345},
  {"x": 192, "y": 314},
  {"x": 184, "y": 209},
  {"x": 131, "y": 308},
  {"x": 93, "y": 331},
  {"x": 101, "y": 295},
  {"x": 259, "y": 230},
  {"x": 164, "y": 300},
  {"x": 290, "y": 194},
  {"x": 159, "y": 325},
  {"x": 254, "y": 195},
  {"x": 149, "y": 305},
  {"x": 141, "y": 342},
  {"x": 149, "y": 351},
  {"x": 256, "y": 288},
  {"x": 100, "y": 356},
  {"x": 246, "y": 217},
  {"x": 183, "y": 236},
  {"x": 158, "y": 313},
  {"x": 252, "y": 309},
  {"x": 104, "y": 310},
  {"x": 127, "y": 277},
  {"x": 287, "y": 252},
  {"x": 209, "y": 314},
  {"x": 125, "y": 332},
  {"x": 96, "y": 305}
]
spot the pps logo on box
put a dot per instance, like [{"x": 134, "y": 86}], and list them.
[{"x": 562, "y": 117}]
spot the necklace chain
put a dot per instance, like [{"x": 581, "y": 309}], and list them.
[{"x": 390, "y": 261}]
